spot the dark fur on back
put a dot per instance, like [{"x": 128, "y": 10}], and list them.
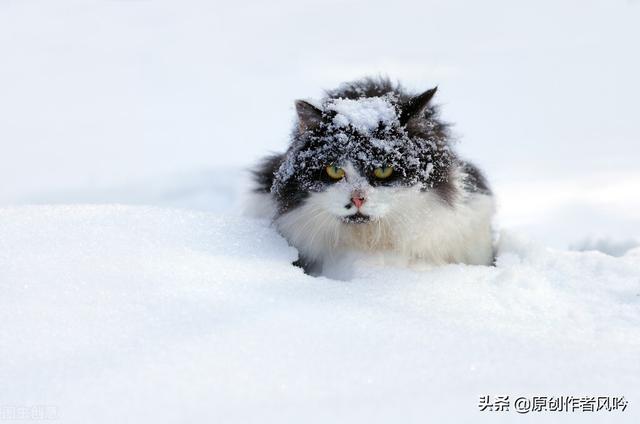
[
  {"x": 265, "y": 172},
  {"x": 425, "y": 157},
  {"x": 475, "y": 181}
]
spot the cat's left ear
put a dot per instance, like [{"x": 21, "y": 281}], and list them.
[
  {"x": 309, "y": 116},
  {"x": 415, "y": 107}
]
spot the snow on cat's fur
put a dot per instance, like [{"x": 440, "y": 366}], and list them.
[{"x": 432, "y": 209}]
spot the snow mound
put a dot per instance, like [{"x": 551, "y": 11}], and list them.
[
  {"x": 364, "y": 114},
  {"x": 610, "y": 246},
  {"x": 139, "y": 314}
]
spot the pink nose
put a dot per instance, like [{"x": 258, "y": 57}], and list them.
[{"x": 358, "y": 201}]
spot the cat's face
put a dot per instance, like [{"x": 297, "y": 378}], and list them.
[
  {"x": 359, "y": 160},
  {"x": 357, "y": 195}
]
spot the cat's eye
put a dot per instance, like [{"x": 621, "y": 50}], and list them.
[
  {"x": 383, "y": 173},
  {"x": 335, "y": 172}
]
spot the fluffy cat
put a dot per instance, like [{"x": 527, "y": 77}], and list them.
[{"x": 371, "y": 170}]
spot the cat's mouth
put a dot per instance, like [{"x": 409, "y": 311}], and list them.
[{"x": 356, "y": 218}]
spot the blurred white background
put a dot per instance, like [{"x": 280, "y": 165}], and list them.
[
  {"x": 118, "y": 314},
  {"x": 165, "y": 102}
]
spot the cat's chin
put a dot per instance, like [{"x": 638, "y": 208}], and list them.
[{"x": 356, "y": 218}]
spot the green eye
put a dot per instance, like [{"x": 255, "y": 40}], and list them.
[
  {"x": 335, "y": 172},
  {"x": 383, "y": 173}
]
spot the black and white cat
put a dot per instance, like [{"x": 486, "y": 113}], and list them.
[{"x": 371, "y": 170}]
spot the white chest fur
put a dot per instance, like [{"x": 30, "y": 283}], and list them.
[{"x": 423, "y": 229}]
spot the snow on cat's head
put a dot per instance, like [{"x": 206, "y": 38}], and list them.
[
  {"x": 360, "y": 155},
  {"x": 364, "y": 115}
]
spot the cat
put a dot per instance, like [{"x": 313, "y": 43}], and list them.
[{"x": 371, "y": 170}]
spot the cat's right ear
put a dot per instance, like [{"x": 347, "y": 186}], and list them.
[{"x": 309, "y": 116}]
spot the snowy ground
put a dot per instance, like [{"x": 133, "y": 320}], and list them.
[
  {"x": 172, "y": 308},
  {"x": 132, "y": 314}
]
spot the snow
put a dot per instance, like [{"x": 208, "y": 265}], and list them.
[
  {"x": 103, "y": 92},
  {"x": 177, "y": 310},
  {"x": 610, "y": 246},
  {"x": 363, "y": 114},
  {"x": 144, "y": 314},
  {"x": 367, "y": 133}
]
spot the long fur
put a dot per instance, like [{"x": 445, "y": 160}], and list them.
[{"x": 442, "y": 217}]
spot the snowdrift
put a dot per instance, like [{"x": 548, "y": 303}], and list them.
[{"x": 140, "y": 314}]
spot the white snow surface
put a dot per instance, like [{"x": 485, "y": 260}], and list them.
[
  {"x": 184, "y": 312},
  {"x": 145, "y": 314},
  {"x": 362, "y": 114}
]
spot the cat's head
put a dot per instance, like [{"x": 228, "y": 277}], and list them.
[{"x": 363, "y": 151}]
